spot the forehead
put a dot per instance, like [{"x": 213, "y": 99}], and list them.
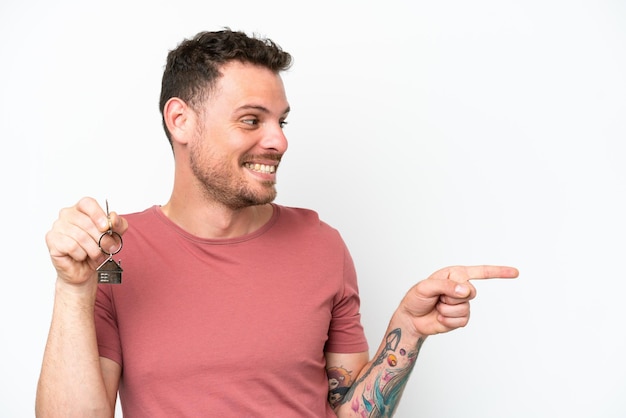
[{"x": 243, "y": 84}]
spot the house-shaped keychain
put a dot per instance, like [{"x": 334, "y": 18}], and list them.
[{"x": 110, "y": 272}]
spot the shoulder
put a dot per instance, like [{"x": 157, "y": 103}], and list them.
[
  {"x": 150, "y": 222},
  {"x": 301, "y": 217},
  {"x": 146, "y": 216},
  {"x": 142, "y": 213},
  {"x": 301, "y": 223},
  {"x": 297, "y": 214}
]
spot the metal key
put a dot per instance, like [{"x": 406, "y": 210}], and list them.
[{"x": 110, "y": 271}]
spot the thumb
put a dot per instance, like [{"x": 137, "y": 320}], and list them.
[
  {"x": 462, "y": 290},
  {"x": 434, "y": 288}
]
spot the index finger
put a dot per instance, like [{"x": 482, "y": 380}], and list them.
[
  {"x": 101, "y": 219},
  {"x": 462, "y": 274},
  {"x": 491, "y": 272},
  {"x": 91, "y": 208}
]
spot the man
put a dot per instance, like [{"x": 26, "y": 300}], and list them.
[{"x": 230, "y": 305}]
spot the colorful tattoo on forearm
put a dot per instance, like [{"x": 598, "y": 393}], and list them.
[
  {"x": 378, "y": 398},
  {"x": 339, "y": 382}
]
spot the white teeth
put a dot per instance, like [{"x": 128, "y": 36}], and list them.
[{"x": 261, "y": 168}]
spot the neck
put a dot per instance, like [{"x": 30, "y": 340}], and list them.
[{"x": 215, "y": 220}]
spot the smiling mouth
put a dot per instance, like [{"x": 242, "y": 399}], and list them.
[{"x": 261, "y": 168}]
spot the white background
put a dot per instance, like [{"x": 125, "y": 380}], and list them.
[{"x": 429, "y": 133}]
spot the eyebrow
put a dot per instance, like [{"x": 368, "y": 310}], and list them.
[{"x": 262, "y": 108}]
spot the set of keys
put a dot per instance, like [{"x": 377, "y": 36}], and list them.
[{"x": 110, "y": 271}]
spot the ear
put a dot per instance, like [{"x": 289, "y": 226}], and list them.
[{"x": 179, "y": 118}]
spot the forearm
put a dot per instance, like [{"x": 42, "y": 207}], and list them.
[
  {"x": 71, "y": 382},
  {"x": 379, "y": 387}
]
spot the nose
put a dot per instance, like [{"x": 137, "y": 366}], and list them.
[{"x": 274, "y": 138}]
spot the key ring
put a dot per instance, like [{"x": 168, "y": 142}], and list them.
[
  {"x": 110, "y": 271},
  {"x": 109, "y": 232}
]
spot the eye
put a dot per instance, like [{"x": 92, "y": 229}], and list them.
[
  {"x": 283, "y": 123},
  {"x": 250, "y": 121}
]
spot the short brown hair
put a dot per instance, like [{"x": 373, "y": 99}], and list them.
[{"x": 192, "y": 68}]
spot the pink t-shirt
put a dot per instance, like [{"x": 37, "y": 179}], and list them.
[{"x": 229, "y": 328}]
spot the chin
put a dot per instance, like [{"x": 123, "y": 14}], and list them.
[
  {"x": 267, "y": 196},
  {"x": 254, "y": 200}
]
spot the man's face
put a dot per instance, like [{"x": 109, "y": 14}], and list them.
[{"x": 240, "y": 141}]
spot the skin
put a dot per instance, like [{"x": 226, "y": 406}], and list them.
[
  {"x": 435, "y": 305},
  {"x": 218, "y": 194}
]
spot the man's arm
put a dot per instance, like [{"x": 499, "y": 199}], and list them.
[
  {"x": 376, "y": 387},
  {"x": 435, "y": 305},
  {"x": 74, "y": 380},
  {"x": 71, "y": 382}
]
